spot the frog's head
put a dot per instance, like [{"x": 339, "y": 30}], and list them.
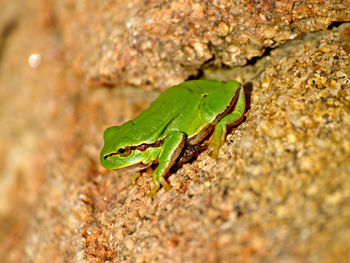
[{"x": 121, "y": 150}]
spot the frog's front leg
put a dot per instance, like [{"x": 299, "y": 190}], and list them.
[
  {"x": 235, "y": 117},
  {"x": 172, "y": 147}
]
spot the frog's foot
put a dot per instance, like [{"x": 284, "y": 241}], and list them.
[
  {"x": 134, "y": 178},
  {"x": 157, "y": 183}
]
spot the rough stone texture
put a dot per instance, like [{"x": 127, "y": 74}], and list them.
[
  {"x": 161, "y": 43},
  {"x": 279, "y": 191}
]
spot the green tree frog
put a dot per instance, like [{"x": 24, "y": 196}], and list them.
[{"x": 181, "y": 117}]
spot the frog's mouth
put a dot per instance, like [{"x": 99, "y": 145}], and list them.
[{"x": 136, "y": 167}]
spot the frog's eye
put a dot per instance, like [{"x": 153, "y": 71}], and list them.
[{"x": 124, "y": 151}]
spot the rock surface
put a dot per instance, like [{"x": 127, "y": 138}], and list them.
[
  {"x": 279, "y": 191},
  {"x": 161, "y": 43}
]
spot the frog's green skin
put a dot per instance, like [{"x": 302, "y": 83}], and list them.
[{"x": 182, "y": 115}]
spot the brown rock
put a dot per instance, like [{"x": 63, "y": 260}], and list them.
[
  {"x": 161, "y": 43},
  {"x": 279, "y": 190}
]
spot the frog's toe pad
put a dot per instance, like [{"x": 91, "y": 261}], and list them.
[{"x": 134, "y": 178}]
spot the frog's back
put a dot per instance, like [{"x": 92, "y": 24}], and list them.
[
  {"x": 187, "y": 107},
  {"x": 165, "y": 111},
  {"x": 202, "y": 102}
]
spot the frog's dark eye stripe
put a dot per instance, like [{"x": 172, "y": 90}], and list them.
[
  {"x": 126, "y": 151},
  {"x": 142, "y": 147},
  {"x": 145, "y": 146}
]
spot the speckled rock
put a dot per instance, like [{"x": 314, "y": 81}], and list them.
[
  {"x": 279, "y": 191},
  {"x": 161, "y": 43}
]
